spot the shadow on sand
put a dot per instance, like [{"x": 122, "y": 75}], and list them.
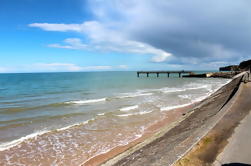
[{"x": 236, "y": 164}]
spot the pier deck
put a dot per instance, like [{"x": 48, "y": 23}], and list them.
[{"x": 163, "y": 72}]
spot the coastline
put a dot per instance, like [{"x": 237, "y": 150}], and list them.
[
  {"x": 124, "y": 155},
  {"x": 81, "y": 142}
]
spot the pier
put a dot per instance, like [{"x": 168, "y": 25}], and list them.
[{"x": 163, "y": 72}]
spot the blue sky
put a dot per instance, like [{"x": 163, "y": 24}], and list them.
[{"x": 97, "y": 35}]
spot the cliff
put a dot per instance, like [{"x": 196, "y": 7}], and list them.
[
  {"x": 230, "y": 68},
  {"x": 243, "y": 66}
]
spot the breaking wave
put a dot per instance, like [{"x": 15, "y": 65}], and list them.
[
  {"x": 125, "y": 109},
  {"x": 86, "y": 101}
]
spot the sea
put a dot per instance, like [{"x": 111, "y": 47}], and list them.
[{"x": 69, "y": 118}]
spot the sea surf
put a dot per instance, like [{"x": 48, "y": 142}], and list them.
[{"x": 68, "y": 118}]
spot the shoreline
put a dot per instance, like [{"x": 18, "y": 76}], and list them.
[
  {"x": 123, "y": 156},
  {"x": 155, "y": 129},
  {"x": 153, "y": 132}
]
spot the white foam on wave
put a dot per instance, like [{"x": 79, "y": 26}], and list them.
[
  {"x": 8, "y": 145},
  {"x": 123, "y": 143},
  {"x": 208, "y": 86},
  {"x": 171, "y": 90},
  {"x": 16, "y": 142},
  {"x": 86, "y": 101},
  {"x": 197, "y": 86},
  {"x": 125, "y": 109},
  {"x": 168, "y": 108},
  {"x": 101, "y": 114},
  {"x": 210, "y": 91},
  {"x": 75, "y": 124},
  {"x": 185, "y": 96},
  {"x": 198, "y": 99},
  {"x": 194, "y": 100},
  {"x": 136, "y": 94},
  {"x": 135, "y": 113}
]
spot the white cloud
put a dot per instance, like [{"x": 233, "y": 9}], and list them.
[
  {"x": 96, "y": 68},
  {"x": 70, "y": 43},
  {"x": 102, "y": 37},
  {"x": 59, "y": 67},
  {"x": 123, "y": 67},
  {"x": 183, "y": 31},
  {"x": 222, "y": 27},
  {"x": 161, "y": 57},
  {"x": 68, "y": 67},
  {"x": 56, "y": 67},
  {"x": 121, "y": 46},
  {"x": 57, "y": 27}
]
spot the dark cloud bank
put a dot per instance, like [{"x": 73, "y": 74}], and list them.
[{"x": 210, "y": 32}]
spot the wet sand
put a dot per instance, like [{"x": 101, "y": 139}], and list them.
[
  {"x": 170, "y": 119},
  {"x": 177, "y": 138}
]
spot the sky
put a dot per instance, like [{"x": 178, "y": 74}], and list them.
[{"x": 118, "y": 35}]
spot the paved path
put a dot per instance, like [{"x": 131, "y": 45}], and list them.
[
  {"x": 228, "y": 143},
  {"x": 238, "y": 150}
]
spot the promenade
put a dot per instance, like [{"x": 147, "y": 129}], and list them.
[
  {"x": 228, "y": 143},
  {"x": 238, "y": 149}
]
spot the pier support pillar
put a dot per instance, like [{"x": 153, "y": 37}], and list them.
[
  {"x": 179, "y": 74},
  {"x": 147, "y": 74},
  {"x": 168, "y": 75},
  {"x": 138, "y": 74},
  {"x": 157, "y": 74}
]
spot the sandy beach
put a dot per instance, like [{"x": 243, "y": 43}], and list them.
[{"x": 171, "y": 119}]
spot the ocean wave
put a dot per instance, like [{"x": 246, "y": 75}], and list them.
[
  {"x": 86, "y": 101},
  {"x": 76, "y": 124},
  {"x": 210, "y": 92},
  {"x": 185, "y": 96},
  {"x": 171, "y": 90},
  {"x": 168, "y": 108},
  {"x": 122, "y": 143},
  {"x": 136, "y": 94},
  {"x": 13, "y": 143},
  {"x": 13, "y": 110},
  {"x": 101, "y": 114},
  {"x": 125, "y": 109},
  {"x": 195, "y": 87},
  {"x": 23, "y": 121},
  {"x": 16, "y": 142},
  {"x": 8, "y": 145},
  {"x": 199, "y": 86},
  {"x": 200, "y": 98},
  {"x": 135, "y": 113}
]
